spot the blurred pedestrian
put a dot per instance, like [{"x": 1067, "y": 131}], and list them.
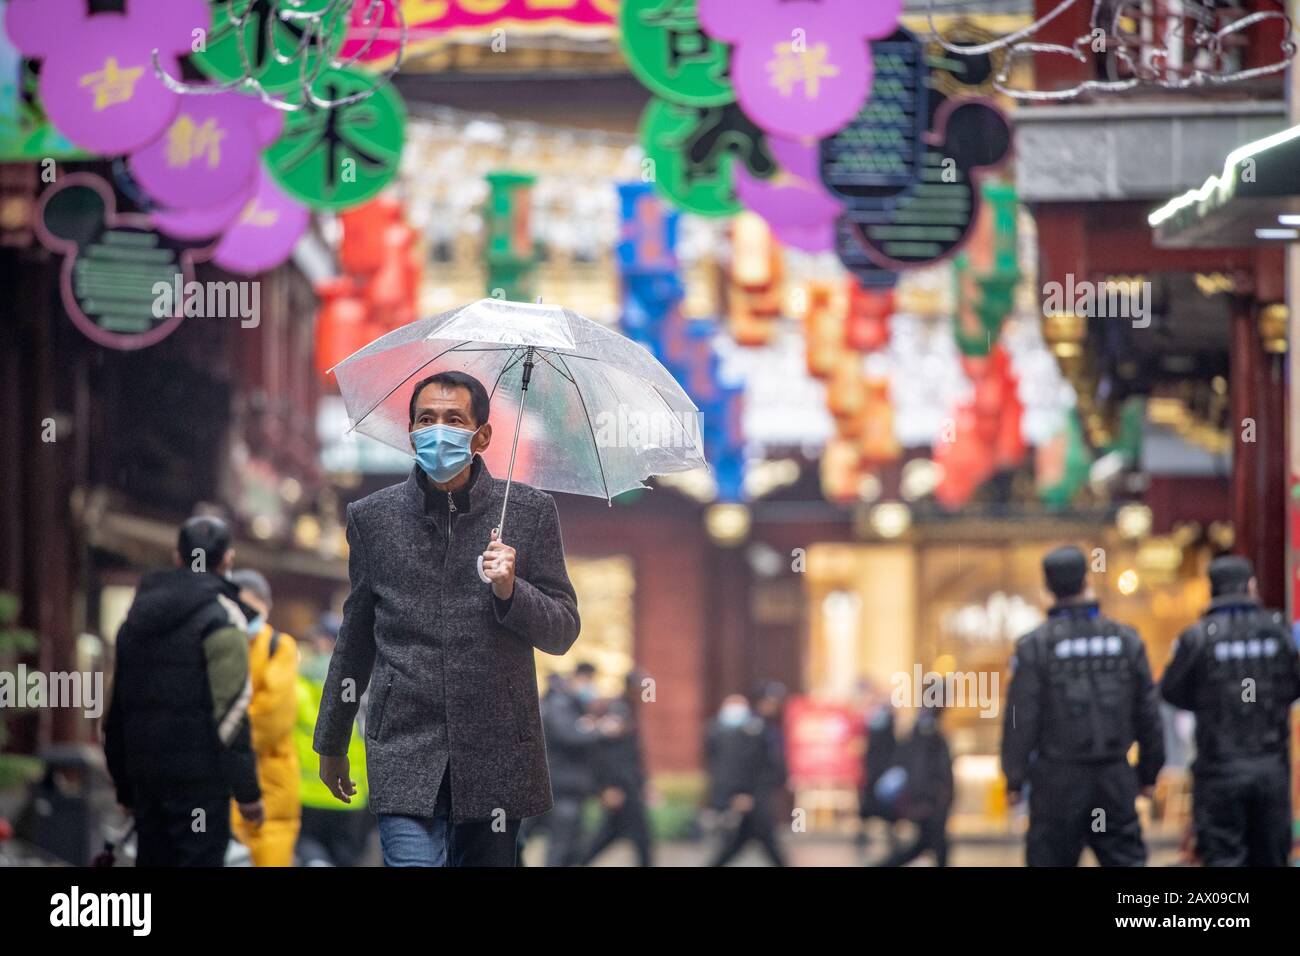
[
  {"x": 1238, "y": 671},
  {"x": 273, "y": 666},
  {"x": 927, "y": 791},
  {"x": 455, "y": 753},
  {"x": 333, "y": 833},
  {"x": 571, "y": 738},
  {"x": 880, "y": 753},
  {"x": 741, "y": 775},
  {"x": 1081, "y": 693},
  {"x": 769, "y": 705},
  {"x": 177, "y": 738},
  {"x": 620, "y": 779}
]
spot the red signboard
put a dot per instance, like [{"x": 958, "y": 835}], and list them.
[{"x": 824, "y": 743}]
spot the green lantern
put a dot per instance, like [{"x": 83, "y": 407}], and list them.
[
  {"x": 340, "y": 157},
  {"x": 692, "y": 152},
  {"x": 251, "y": 38},
  {"x": 511, "y": 258},
  {"x": 984, "y": 300},
  {"x": 672, "y": 56}
]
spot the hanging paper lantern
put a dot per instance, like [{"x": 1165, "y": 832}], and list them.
[
  {"x": 1062, "y": 464},
  {"x": 342, "y": 325},
  {"x": 840, "y": 471},
  {"x": 845, "y": 392},
  {"x": 866, "y": 327},
  {"x": 389, "y": 292},
  {"x": 876, "y": 440},
  {"x": 823, "y": 331},
  {"x": 745, "y": 326},
  {"x": 966, "y": 460},
  {"x": 361, "y": 250}
]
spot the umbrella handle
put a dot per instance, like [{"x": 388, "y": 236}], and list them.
[{"x": 481, "y": 575}]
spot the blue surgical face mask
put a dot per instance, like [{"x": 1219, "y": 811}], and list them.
[
  {"x": 255, "y": 625},
  {"x": 733, "y": 715},
  {"x": 443, "y": 450}
]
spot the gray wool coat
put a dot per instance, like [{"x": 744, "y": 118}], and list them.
[{"x": 451, "y": 676}]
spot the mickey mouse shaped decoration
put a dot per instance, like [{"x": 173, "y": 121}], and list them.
[
  {"x": 800, "y": 69},
  {"x": 112, "y": 264},
  {"x": 98, "y": 82}
]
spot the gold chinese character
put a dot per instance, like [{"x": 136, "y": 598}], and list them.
[
  {"x": 188, "y": 141},
  {"x": 807, "y": 66},
  {"x": 256, "y": 216},
  {"x": 112, "y": 84}
]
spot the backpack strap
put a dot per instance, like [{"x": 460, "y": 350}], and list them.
[{"x": 275, "y": 643}]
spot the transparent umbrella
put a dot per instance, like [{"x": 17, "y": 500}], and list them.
[{"x": 591, "y": 412}]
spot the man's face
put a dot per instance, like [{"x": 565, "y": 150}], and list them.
[{"x": 449, "y": 405}]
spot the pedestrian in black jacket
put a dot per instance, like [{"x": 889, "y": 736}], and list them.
[
  {"x": 1237, "y": 669},
  {"x": 1081, "y": 694},
  {"x": 928, "y": 791},
  {"x": 741, "y": 775},
  {"x": 620, "y": 781},
  {"x": 571, "y": 739},
  {"x": 177, "y": 739},
  {"x": 879, "y": 754}
]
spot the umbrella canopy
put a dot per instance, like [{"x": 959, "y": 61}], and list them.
[{"x": 601, "y": 413}]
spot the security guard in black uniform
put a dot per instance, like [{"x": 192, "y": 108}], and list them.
[
  {"x": 1081, "y": 693},
  {"x": 1237, "y": 669}
]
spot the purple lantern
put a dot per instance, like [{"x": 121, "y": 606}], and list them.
[
  {"x": 265, "y": 233},
  {"x": 210, "y": 153},
  {"x": 98, "y": 83},
  {"x": 794, "y": 202},
  {"x": 800, "y": 69}
]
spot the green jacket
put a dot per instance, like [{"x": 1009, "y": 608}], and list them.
[{"x": 314, "y": 792}]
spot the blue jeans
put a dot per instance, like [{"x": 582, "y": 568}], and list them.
[
  {"x": 436, "y": 841},
  {"x": 413, "y": 841}
]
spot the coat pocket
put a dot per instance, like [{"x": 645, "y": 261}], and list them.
[
  {"x": 375, "y": 717},
  {"x": 525, "y": 728}
]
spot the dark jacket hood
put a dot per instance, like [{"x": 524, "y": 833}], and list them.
[{"x": 166, "y": 598}]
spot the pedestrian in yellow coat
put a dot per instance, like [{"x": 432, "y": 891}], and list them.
[{"x": 273, "y": 669}]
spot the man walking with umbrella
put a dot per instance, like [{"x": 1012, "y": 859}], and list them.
[{"x": 455, "y": 751}]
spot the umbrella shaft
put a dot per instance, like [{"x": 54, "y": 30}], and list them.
[{"x": 519, "y": 421}]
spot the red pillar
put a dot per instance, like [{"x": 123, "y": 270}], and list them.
[{"x": 1259, "y": 458}]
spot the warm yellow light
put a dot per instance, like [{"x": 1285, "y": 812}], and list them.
[
  {"x": 727, "y": 524},
  {"x": 1133, "y": 521},
  {"x": 1128, "y": 582},
  {"x": 890, "y": 519}
]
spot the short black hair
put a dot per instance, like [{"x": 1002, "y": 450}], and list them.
[
  {"x": 1065, "y": 570},
  {"x": 1230, "y": 574},
  {"x": 585, "y": 669},
  {"x": 479, "y": 403},
  {"x": 207, "y": 534}
]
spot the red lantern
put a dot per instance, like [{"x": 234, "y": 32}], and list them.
[
  {"x": 342, "y": 325},
  {"x": 362, "y": 250},
  {"x": 866, "y": 327}
]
